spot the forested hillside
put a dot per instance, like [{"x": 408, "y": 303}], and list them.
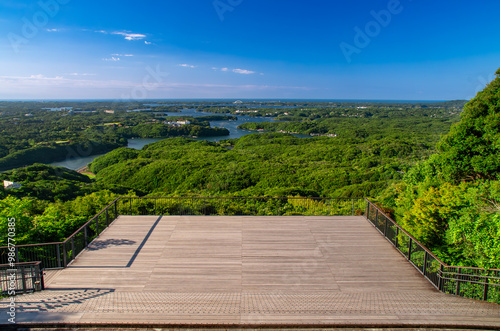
[
  {"x": 268, "y": 164},
  {"x": 450, "y": 202}
]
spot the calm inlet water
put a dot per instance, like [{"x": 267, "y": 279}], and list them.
[{"x": 138, "y": 143}]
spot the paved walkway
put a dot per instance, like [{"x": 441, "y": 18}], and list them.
[{"x": 245, "y": 270}]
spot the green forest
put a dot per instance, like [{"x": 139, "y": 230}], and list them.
[{"x": 433, "y": 168}]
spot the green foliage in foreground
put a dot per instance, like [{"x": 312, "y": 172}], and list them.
[{"x": 39, "y": 221}]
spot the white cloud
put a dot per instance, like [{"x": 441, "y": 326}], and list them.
[
  {"x": 187, "y": 65},
  {"x": 125, "y": 55},
  {"x": 131, "y": 36},
  {"x": 78, "y": 74},
  {"x": 243, "y": 71},
  {"x": 224, "y": 69},
  {"x": 53, "y": 30},
  {"x": 113, "y": 59},
  {"x": 147, "y": 42},
  {"x": 42, "y": 77}
]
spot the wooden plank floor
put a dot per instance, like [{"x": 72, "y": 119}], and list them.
[{"x": 246, "y": 270}]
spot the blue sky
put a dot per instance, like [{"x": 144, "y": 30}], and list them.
[{"x": 273, "y": 49}]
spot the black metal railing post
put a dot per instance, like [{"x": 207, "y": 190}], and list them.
[
  {"x": 440, "y": 277},
  {"x": 73, "y": 255},
  {"x": 409, "y": 249},
  {"x": 85, "y": 236},
  {"x": 42, "y": 279},
  {"x": 367, "y": 210},
  {"x": 33, "y": 277},
  {"x": 65, "y": 261},
  {"x": 457, "y": 289},
  {"x": 58, "y": 252},
  {"x": 23, "y": 279},
  {"x": 426, "y": 256},
  {"x": 485, "y": 292},
  {"x": 396, "y": 241}
]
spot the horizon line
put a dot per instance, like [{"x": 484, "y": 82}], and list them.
[{"x": 239, "y": 99}]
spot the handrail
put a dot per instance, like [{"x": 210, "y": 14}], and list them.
[
  {"x": 404, "y": 231},
  {"x": 462, "y": 281},
  {"x": 8, "y": 265},
  {"x": 92, "y": 219},
  {"x": 425, "y": 248},
  {"x": 21, "y": 277}
]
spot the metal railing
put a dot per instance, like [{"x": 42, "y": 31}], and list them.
[
  {"x": 60, "y": 254},
  {"x": 475, "y": 283},
  {"x": 238, "y": 206},
  {"x": 21, "y": 278}
]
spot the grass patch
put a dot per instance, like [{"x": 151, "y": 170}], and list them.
[{"x": 91, "y": 176}]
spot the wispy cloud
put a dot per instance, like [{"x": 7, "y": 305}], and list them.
[
  {"x": 236, "y": 71},
  {"x": 130, "y": 36},
  {"x": 126, "y": 34},
  {"x": 123, "y": 55},
  {"x": 148, "y": 42},
  {"x": 40, "y": 76},
  {"x": 243, "y": 71},
  {"x": 112, "y": 59},
  {"x": 78, "y": 74},
  {"x": 53, "y": 30},
  {"x": 187, "y": 65}
]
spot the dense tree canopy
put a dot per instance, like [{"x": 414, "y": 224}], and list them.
[
  {"x": 472, "y": 148},
  {"x": 450, "y": 202}
]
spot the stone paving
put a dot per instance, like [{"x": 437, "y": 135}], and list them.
[{"x": 193, "y": 270}]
